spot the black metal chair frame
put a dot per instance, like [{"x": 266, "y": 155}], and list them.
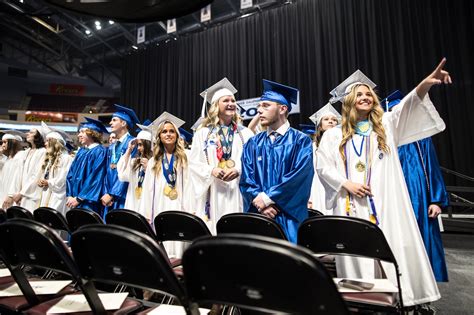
[
  {"x": 52, "y": 218},
  {"x": 342, "y": 235},
  {"x": 250, "y": 223},
  {"x": 78, "y": 217},
  {"x": 15, "y": 212},
  {"x": 179, "y": 226},
  {"x": 259, "y": 273}
]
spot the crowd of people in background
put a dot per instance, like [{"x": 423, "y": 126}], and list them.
[{"x": 358, "y": 163}]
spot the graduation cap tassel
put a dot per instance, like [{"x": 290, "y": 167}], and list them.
[{"x": 204, "y": 107}]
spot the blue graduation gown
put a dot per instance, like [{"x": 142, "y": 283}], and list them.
[
  {"x": 85, "y": 177},
  {"x": 284, "y": 171},
  {"x": 112, "y": 185},
  {"x": 416, "y": 158}
]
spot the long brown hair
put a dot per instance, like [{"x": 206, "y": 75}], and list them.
[
  {"x": 146, "y": 153},
  {"x": 349, "y": 119},
  {"x": 159, "y": 149},
  {"x": 13, "y": 146},
  {"x": 53, "y": 153}
]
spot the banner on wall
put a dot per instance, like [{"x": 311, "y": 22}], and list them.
[
  {"x": 141, "y": 35},
  {"x": 67, "y": 89},
  {"x": 171, "y": 26},
  {"x": 206, "y": 13},
  {"x": 248, "y": 107},
  {"x": 51, "y": 116}
]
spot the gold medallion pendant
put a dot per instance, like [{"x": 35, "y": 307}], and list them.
[
  {"x": 222, "y": 164},
  {"x": 360, "y": 166},
  {"x": 173, "y": 195},
  {"x": 138, "y": 192},
  {"x": 166, "y": 190},
  {"x": 113, "y": 165},
  {"x": 230, "y": 163}
]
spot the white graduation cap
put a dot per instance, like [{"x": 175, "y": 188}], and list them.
[
  {"x": 163, "y": 118},
  {"x": 42, "y": 131},
  {"x": 197, "y": 124},
  {"x": 215, "y": 92},
  {"x": 52, "y": 133},
  {"x": 344, "y": 88},
  {"x": 327, "y": 109},
  {"x": 145, "y": 132},
  {"x": 14, "y": 135}
]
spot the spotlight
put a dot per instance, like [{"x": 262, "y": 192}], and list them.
[
  {"x": 134, "y": 47},
  {"x": 97, "y": 22},
  {"x": 111, "y": 22},
  {"x": 98, "y": 27},
  {"x": 87, "y": 32}
]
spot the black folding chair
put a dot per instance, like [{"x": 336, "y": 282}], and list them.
[
  {"x": 249, "y": 223},
  {"x": 15, "y": 212},
  {"x": 52, "y": 218},
  {"x": 30, "y": 243},
  {"x": 341, "y": 235},
  {"x": 115, "y": 254},
  {"x": 314, "y": 213},
  {"x": 130, "y": 219},
  {"x": 78, "y": 217},
  {"x": 259, "y": 273},
  {"x": 179, "y": 226}
]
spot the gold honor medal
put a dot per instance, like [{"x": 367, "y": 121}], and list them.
[
  {"x": 173, "y": 195},
  {"x": 166, "y": 190},
  {"x": 222, "y": 164},
  {"x": 113, "y": 166},
  {"x": 360, "y": 166},
  {"x": 138, "y": 192},
  {"x": 230, "y": 163}
]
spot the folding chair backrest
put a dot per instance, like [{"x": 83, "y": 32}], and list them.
[
  {"x": 52, "y": 218},
  {"x": 345, "y": 236},
  {"x": 249, "y": 223},
  {"x": 130, "y": 219},
  {"x": 19, "y": 212},
  {"x": 115, "y": 254},
  {"x": 314, "y": 213},
  {"x": 78, "y": 217},
  {"x": 259, "y": 273},
  {"x": 31, "y": 243},
  {"x": 179, "y": 226}
]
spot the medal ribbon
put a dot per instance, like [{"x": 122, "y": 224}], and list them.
[
  {"x": 225, "y": 150},
  {"x": 168, "y": 170},
  {"x": 367, "y": 178},
  {"x": 141, "y": 176}
]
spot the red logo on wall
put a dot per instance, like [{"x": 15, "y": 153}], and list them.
[{"x": 67, "y": 89}]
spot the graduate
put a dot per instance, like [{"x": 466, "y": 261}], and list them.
[
  {"x": 54, "y": 169},
  {"x": 427, "y": 191},
  {"x": 359, "y": 166},
  {"x": 84, "y": 181},
  {"x": 11, "y": 147},
  {"x": 277, "y": 165},
  {"x": 166, "y": 185},
  {"x": 215, "y": 165},
  {"x": 29, "y": 194},
  {"x": 115, "y": 191},
  {"x": 325, "y": 118},
  {"x": 132, "y": 169}
]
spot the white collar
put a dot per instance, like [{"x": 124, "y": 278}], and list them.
[
  {"x": 92, "y": 146},
  {"x": 122, "y": 138},
  {"x": 281, "y": 130}
]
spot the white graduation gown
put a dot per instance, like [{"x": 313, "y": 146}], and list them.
[
  {"x": 318, "y": 194},
  {"x": 154, "y": 201},
  {"x": 413, "y": 119},
  {"x": 28, "y": 175},
  {"x": 55, "y": 195},
  {"x": 126, "y": 173},
  {"x": 8, "y": 177},
  {"x": 224, "y": 197}
]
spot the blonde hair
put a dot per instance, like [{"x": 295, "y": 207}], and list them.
[
  {"x": 349, "y": 119},
  {"x": 159, "y": 150},
  {"x": 212, "y": 118},
  {"x": 53, "y": 154}
]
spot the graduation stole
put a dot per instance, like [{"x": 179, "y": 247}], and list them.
[
  {"x": 211, "y": 136},
  {"x": 116, "y": 152},
  {"x": 367, "y": 176}
]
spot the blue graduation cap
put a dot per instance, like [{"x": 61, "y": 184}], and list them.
[
  {"x": 308, "y": 129},
  {"x": 390, "y": 101},
  {"x": 186, "y": 135},
  {"x": 93, "y": 124},
  {"x": 145, "y": 123},
  {"x": 126, "y": 114},
  {"x": 282, "y": 94}
]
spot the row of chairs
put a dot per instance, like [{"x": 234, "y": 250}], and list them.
[
  {"x": 247, "y": 271},
  {"x": 329, "y": 234}
]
